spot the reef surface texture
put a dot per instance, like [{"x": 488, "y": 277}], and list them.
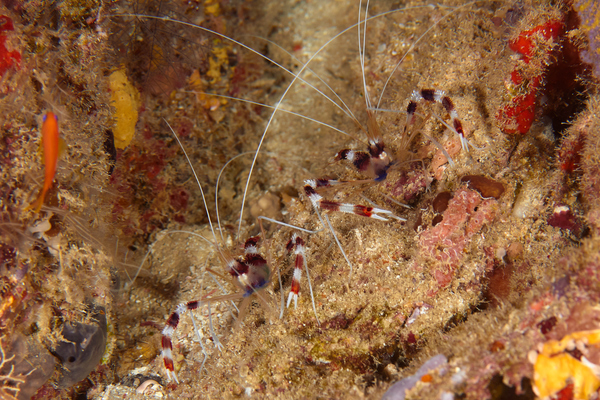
[{"x": 485, "y": 286}]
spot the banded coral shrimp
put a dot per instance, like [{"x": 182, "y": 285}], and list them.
[
  {"x": 367, "y": 324},
  {"x": 249, "y": 273}
]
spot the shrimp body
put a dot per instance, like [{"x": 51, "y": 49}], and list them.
[
  {"x": 50, "y": 142},
  {"x": 250, "y": 271}
]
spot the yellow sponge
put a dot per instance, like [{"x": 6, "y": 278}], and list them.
[
  {"x": 125, "y": 99},
  {"x": 554, "y": 367}
]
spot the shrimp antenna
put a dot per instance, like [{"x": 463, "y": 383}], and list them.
[
  {"x": 212, "y": 228},
  {"x": 348, "y": 111},
  {"x": 362, "y": 49},
  {"x": 256, "y": 103},
  {"x": 217, "y": 189}
]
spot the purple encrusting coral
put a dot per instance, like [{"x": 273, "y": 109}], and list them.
[
  {"x": 399, "y": 389},
  {"x": 589, "y": 13}
]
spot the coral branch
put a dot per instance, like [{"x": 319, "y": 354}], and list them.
[{"x": 10, "y": 384}]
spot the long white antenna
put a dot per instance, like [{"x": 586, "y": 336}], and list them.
[
  {"x": 363, "y": 51},
  {"x": 212, "y": 228}
]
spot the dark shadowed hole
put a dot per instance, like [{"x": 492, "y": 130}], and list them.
[{"x": 500, "y": 391}]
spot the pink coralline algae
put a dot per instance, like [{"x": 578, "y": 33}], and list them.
[
  {"x": 466, "y": 214},
  {"x": 589, "y": 14},
  {"x": 409, "y": 185},
  {"x": 569, "y": 153}
]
